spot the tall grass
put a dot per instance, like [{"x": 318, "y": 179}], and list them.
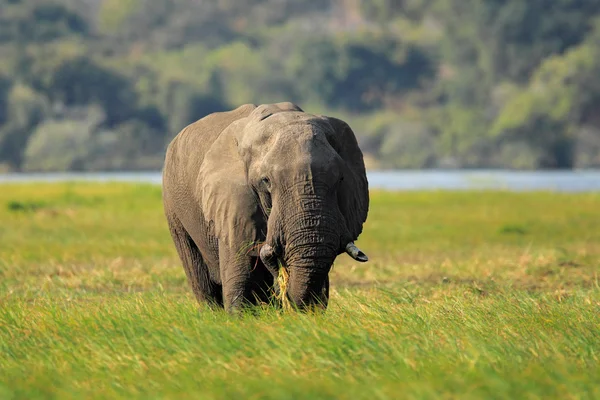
[{"x": 467, "y": 295}]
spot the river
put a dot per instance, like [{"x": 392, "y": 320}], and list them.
[{"x": 560, "y": 181}]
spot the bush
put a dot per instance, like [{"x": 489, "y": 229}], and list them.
[
  {"x": 58, "y": 146},
  {"x": 25, "y": 109}
]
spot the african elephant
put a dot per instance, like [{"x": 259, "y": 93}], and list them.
[{"x": 248, "y": 190}]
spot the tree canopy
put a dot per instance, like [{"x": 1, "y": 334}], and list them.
[{"x": 106, "y": 84}]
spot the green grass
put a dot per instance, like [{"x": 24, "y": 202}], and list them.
[{"x": 467, "y": 295}]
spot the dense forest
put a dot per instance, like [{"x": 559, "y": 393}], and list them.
[{"x": 106, "y": 84}]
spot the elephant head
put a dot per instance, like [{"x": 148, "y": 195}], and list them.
[{"x": 296, "y": 184}]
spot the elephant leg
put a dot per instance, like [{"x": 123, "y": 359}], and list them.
[
  {"x": 244, "y": 278},
  {"x": 204, "y": 288}
]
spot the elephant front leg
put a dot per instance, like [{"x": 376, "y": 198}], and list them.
[{"x": 236, "y": 278}]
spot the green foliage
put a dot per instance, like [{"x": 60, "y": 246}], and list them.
[
  {"x": 508, "y": 39},
  {"x": 5, "y": 85},
  {"x": 587, "y": 147},
  {"x": 489, "y": 295},
  {"x": 115, "y": 13},
  {"x": 560, "y": 96},
  {"x": 26, "y": 109},
  {"x": 357, "y": 74},
  {"x": 426, "y": 83},
  {"x": 26, "y": 21},
  {"x": 408, "y": 144},
  {"x": 81, "y": 81},
  {"x": 57, "y": 146}
]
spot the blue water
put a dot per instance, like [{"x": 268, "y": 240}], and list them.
[{"x": 560, "y": 181}]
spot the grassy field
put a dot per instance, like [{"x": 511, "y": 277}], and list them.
[{"x": 467, "y": 295}]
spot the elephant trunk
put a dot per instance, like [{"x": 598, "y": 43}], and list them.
[
  {"x": 312, "y": 241},
  {"x": 308, "y": 288}
]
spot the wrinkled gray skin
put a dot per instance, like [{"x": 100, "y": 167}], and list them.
[{"x": 247, "y": 188}]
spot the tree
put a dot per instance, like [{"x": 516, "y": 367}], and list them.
[
  {"x": 560, "y": 97},
  {"x": 32, "y": 21},
  {"x": 359, "y": 74},
  {"x": 26, "y": 109},
  {"x": 58, "y": 146},
  {"x": 76, "y": 80},
  {"x": 474, "y": 83},
  {"x": 5, "y": 85}
]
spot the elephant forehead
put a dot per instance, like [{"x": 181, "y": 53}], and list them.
[
  {"x": 300, "y": 156},
  {"x": 284, "y": 129}
]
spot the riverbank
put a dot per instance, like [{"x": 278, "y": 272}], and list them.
[{"x": 404, "y": 180}]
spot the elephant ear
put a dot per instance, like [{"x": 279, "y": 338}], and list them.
[
  {"x": 229, "y": 204},
  {"x": 353, "y": 196}
]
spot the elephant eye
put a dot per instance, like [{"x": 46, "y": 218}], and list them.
[
  {"x": 341, "y": 179},
  {"x": 266, "y": 182}
]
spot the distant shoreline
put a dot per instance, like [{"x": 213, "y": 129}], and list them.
[{"x": 509, "y": 180}]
